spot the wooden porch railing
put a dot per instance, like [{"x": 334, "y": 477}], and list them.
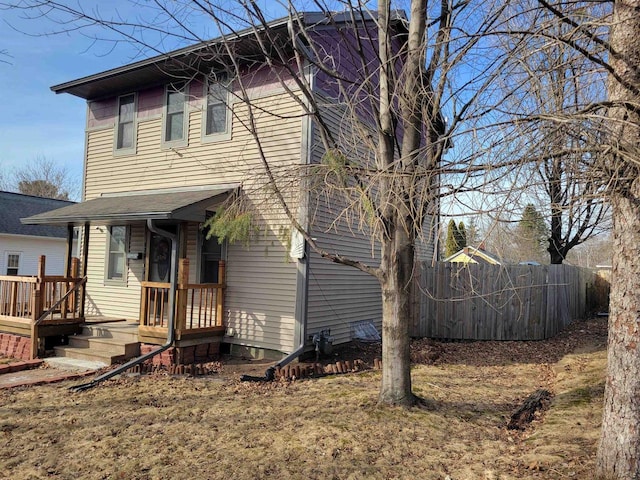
[
  {"x": 33, "y": 301},
  {"x": 199, "y": 306}
]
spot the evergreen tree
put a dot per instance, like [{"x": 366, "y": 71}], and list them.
[
  {"x": 462, "y": 236},
  {"x": 532, "y": 235},
  {"x": 451, "y": 244}
]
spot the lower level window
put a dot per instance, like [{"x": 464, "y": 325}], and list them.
[
  {"x": 13, "y": 263},
  {"x": 211, "y": 253},
  {"x": 117, "y": 253}
]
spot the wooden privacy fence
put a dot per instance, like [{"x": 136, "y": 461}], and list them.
[{"x": 497, "y": 302}]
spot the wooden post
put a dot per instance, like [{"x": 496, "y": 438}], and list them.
[
  {"x": 85, "y": 256},
  {"x": 40, "y": 287},
  {"x": 75, "y": 269},
  {"x": 144, "y": 305},
  {"x": 35, "y": 340},
  {"x": 181, "y": 295},
  {"x": 37, "y": 299},
  {"x": 13, "y": 299},
  {"x": 220, "y": 293},
  {"x": 68, "y": 257}
]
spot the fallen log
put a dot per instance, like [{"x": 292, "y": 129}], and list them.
[{"x": 537, "y": 401}]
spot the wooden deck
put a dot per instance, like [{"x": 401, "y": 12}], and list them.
[
  {"x": 43, "y": 306},
  {"x": 39, "y": 306}
]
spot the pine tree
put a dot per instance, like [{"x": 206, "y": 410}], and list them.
[
  {"x": 462, "y": 236},
  {"x": 532, "y": 235},
  {"x": 451, "y": 244}
]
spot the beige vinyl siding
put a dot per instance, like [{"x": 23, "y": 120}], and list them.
[
  {"x": 261, "y": 294},
  {"x": 112, "y": 300},
  {"x": 425, "y": 245},
  {"x": 339, "y": 295},
  {"x": 198, "y": 164}
]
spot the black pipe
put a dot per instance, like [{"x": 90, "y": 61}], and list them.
[{"x": 170, "y": 327}]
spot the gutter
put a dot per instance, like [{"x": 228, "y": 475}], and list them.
[{"x": 172, "y": 314}]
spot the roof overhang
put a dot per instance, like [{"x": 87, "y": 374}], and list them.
[
  {"x": 130, "y": 207},
  {"x": 181, "y": 64},
  {"x": 203, "y": 57}
]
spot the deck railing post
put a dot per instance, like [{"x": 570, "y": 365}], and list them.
[
  {"x": 181, "y": 295},
  {"x": 144, "y": 306},
  {"x": 220, "y": 293},
  {"x": 37, "y": 299},
  {"x": 13, "y": 299},
  {"x": 73, "y": 299}
]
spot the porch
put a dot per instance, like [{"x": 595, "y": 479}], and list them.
[
  {"x": 143, "y": 241},
  {"x": 41, "y": 306},
  {"x": 199, "y": 309}
]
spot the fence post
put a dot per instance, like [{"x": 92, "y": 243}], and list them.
[{"x": 220, "y": 293}]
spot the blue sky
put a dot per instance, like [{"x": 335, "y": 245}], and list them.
[{"x": 35, "y": 122}]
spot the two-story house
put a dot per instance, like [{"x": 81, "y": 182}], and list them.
[{"x": 168, "y": 140}]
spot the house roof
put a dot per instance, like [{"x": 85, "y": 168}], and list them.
[
  {"x": 189, "y": 60},
  {"x": 475, "y": 254},
  {"x": 170, "y": 204},
  {"x": 13, "y": 206}
]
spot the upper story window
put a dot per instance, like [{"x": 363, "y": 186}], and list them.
[
  {"x": 217, "y": 116},
  {"x": 125, "y": 134},
  {"x": 175, "y": 115}
]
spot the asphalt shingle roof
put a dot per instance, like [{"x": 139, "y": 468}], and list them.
[
  {"x": 14, "y": 206},
  {"x": 136, "y": 206}
]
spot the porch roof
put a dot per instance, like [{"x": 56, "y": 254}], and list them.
[{"x": 122, "y": 208}]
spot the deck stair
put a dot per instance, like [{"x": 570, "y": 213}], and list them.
[{"x": 103, "y": 342}]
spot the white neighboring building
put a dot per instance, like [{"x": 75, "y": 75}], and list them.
[{"x": 21, "y": 245}]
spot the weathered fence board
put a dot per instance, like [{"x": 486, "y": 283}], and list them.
[{"x": 493, "y": 302}]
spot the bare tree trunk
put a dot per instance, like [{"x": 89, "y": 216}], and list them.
[
  {"x": 555, "y": 197},
  {"x": 397, "y": 263},
  {"x": 619, "y": 449}
]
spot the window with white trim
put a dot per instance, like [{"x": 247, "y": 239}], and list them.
[
  {"x": 217, "y": 116},
  {"x": 175, "y": 114},
  {"x": 13, "y": 263},
  {"x": 117, "y": 246},
  {"x": 125, "y": 127}
]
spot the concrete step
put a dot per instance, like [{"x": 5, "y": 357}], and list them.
[
  {"x": 124, "y": 332},
  {"x": 87, "y": 354},
  {"x": 74, "y": 364},
  {"x": 114, "y": 346}
]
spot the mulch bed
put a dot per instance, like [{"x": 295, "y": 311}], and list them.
[{"x": 425, "y": 351}]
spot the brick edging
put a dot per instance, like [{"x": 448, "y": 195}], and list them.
[
  {"x": 44, "y": 381},
  {"x": 13, "y": 367}
]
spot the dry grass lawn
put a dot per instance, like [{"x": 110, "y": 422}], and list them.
[{"x": 159, "y": 427}]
